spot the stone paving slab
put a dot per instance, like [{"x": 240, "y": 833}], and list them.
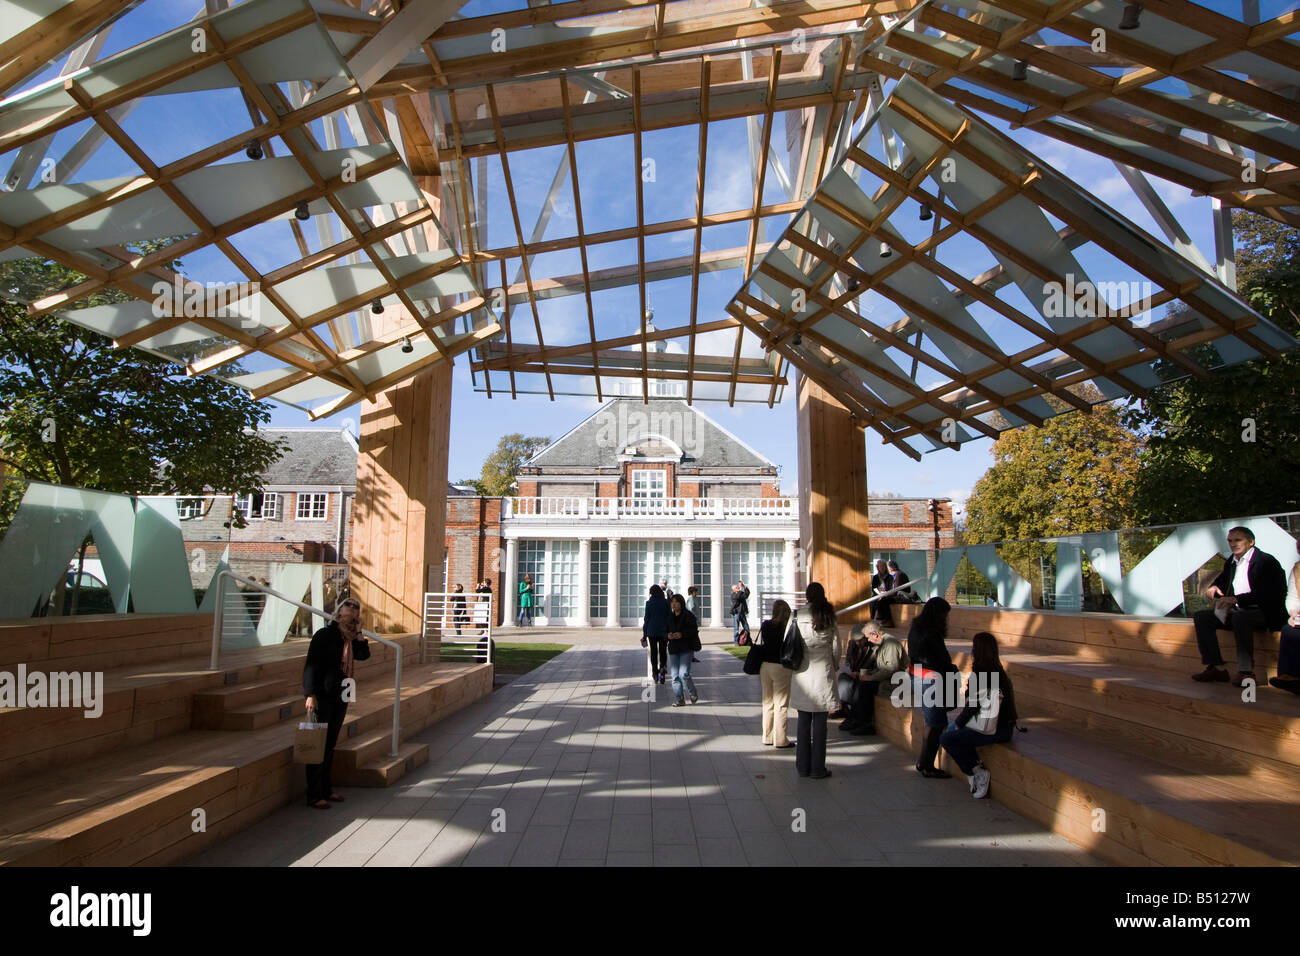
[{"x": 582, "y": 761}]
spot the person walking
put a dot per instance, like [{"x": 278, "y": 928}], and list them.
[
  {"x": 526, "y": 600},
  {"x": 459, "y": 610},
  {"x": 812, "y": 687},
  {"x": 654, "y": 632},
  {"x": 774, "y": 677},
  {"x": 931, "y": 665},
  {"x": 683, "y": 639},
  {"x": 989, "y": 716},
  {"x": 739, "y": 610},
  {"x": 333, "y": 651}
]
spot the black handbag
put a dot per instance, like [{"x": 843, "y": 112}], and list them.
[
  {"x": 754, "y": 660},
  {"x": 792, "y": 647}
]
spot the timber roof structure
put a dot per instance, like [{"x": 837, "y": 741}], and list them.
[{"x": 317, "y": 200}]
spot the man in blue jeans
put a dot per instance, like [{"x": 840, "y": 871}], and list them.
[{"x": 739, "y": 610}]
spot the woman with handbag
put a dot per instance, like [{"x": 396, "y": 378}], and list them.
[
  {"x": 931, "y": 665},
  {"x": 774, "y": 677},
  {"x": 330, "y": 657},
  {"x": 989, "y": 716},
  {"x": 812, "y": 688},
  {"x": 683, "y": 641},
  {"x": 526, "y": 601},
  {"x": 654, "y": 632}
]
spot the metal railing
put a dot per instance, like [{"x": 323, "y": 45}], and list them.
[
  {"x": 448, "y": 615},
  {"x": 218, "y": 622},
  {"x": 606, "y": 509}
]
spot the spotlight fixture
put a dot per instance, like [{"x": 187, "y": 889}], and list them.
[
  {"x": 407, "y": 347},
  {"x": 797, "y": 340},
  {"x": 1021, "y": 70},
  {"x": 376, "y": 305},
  {"x": 1132, "y": 18},
  {"x": 300, "y": 211},
  {"x": 885, "y": 251},
  {"x": 852, "y": 284},
  {"x": 926, "y": 213},
  {"x": 253, "y": 149}
]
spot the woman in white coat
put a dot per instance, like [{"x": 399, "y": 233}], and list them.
[{"x": 812, "y": 689}]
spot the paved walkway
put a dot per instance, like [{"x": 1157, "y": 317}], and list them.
[{"x": 570, "y": 765}]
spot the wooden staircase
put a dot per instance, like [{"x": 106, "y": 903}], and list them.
[
  {"x": 1125, "y": 755},
  {"x": 77, "y": 792}
]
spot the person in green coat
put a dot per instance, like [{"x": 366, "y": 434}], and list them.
[{"x": 526, "y": 600}]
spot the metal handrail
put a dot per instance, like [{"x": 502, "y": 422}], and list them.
[
  {"x": 876, "y": 597},
  {"x": 216, "y": 640}
]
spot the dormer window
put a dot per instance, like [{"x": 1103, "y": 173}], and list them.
[{"x": 649, "y": 485}]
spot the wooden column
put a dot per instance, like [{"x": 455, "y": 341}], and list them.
[
  {"x": 833, "y": 498},
  {"x": 401, "y": 505}
]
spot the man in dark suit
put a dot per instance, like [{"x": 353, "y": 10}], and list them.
[
  {"x": 882, "y": 609},
  {"x": 1250, "y": 592}
]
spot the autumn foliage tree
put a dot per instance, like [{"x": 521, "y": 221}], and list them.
[
  {"x": 1075, "y": 473},
  {"x": 502, "y": 466}
]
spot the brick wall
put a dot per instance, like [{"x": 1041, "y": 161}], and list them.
[{"x": 475, "y": 548}]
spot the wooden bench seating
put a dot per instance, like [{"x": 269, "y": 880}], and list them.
[{"x": 1182, "y": 773}]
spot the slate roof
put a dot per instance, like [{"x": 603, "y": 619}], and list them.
[
  {"x": 314, "y": 456},
  {"x": 598, "y": 440}
]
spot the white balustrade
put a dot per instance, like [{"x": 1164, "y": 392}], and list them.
[{"x": 544, "y": 510}]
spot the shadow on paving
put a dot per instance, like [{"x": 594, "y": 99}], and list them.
[{"x": 583, "y": 762}]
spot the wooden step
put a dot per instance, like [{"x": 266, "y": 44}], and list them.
[
  {"x": 378, "y": 768},
  {"x": 212, "y": 706},
  {"x": 1165, "y": 714},
  {"x": 264, "y": 713},
  {"x": 1151, "y": 812}
]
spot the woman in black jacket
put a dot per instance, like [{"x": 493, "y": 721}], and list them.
[
  {"x": 330, "y": 657},
  {"x": 931, "y": 665},
  {"x": 774, "y": 677},
  {"x": 683, "y": 640},
  {"x": 989, "y": 716}
]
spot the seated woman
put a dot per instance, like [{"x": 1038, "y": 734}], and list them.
[
  {"x": 989, "y": 716},
  {"x": 1288, "y": 651}
]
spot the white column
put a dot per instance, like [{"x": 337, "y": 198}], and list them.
[
  {"x": 510, "y": 599},
  {"x": 721, "y": 589},
  {"x": 584, "y": 583},
  {"x": 611, "y": 618},
  {"x": 787, "y": 567},
  {"x": 751, "y": 580},
  {"x": 688, "y": 573}
]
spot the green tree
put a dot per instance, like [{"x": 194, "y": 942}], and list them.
[
  {"x": 502, "y": 466},
  {"x": 1230, "y": 445},
  {"x": 75, "y": 410},
  {"x": 1073, "y": 474}
]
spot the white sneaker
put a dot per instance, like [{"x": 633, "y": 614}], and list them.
[
  {"x": 970, "y": 779},
  {"x": 982, "y": 778}
]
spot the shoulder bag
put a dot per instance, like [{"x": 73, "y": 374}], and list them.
[{"x": 792, "y": 647}]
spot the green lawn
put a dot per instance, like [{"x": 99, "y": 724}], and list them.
[
  {"x": 521, "y": 658},
  {"x": 737, "y": 651}
]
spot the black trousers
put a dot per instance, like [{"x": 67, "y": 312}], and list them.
[
  {"x": 319, "y": 785},
  {"x": 1243, "y": 622},
  {"x": 883, "y": 611},
  {"x": 658, "y": 653},
  {"x": 810, "y": 743},
  {"x": 862, "y": 710}
]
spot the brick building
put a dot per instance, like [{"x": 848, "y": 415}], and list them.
[
  {"x": 639, "y": 492},
  {"x": 303, "y": 513}
]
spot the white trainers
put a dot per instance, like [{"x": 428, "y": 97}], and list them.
[
  {"x": 970, "y": 779},
  {"x": 981, "y": 777}
]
